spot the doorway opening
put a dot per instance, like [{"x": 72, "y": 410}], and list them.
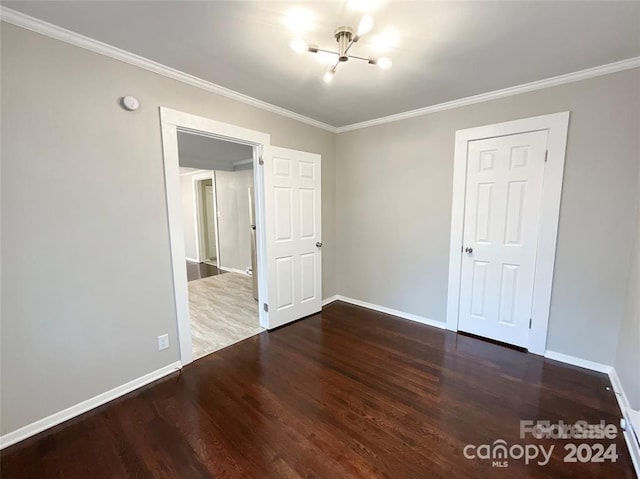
[
  {"x": 217, "y": 184},
  {"x": 287, "y": 205},
  {"x": 205, "y": 157},
  {"x": 200, "y": 218},
  {"x": 207, "y": 220}
]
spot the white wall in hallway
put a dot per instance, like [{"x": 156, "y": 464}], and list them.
[
  {"x": 233, "y": 218},
  {"x": 231, "y": 190},
  {"x": 188, "y": 217}
]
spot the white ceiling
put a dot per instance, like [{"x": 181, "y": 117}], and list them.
[
  {"x": 445, "y": 50},
  {"x": 204, "y": 153}
]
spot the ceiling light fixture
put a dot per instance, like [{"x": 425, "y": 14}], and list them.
[{"x": 346, "y": 38}]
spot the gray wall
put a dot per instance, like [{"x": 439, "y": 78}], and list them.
[
  {"x": 394, "y": 188},
  {"x": 233, "y": 220},
  {"x": 85, "y": 179},
  {"x": 627, "y": 361},
  {"x": 84, "y": 317}
]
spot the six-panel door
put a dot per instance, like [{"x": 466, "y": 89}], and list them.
[
  {"x": 501, "y": 223},
  {"x": 294, "y": 235}
]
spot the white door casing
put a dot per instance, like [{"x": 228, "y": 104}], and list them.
[
  {"x": 307, "y": 299},
  {"x": 500, "y": 239},
  {"x": 556, "y": 125},
  {"x": 294, "y": 234},
  {"x": 171, "y": 122}
]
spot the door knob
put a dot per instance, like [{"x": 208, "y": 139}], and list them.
[
  {"x": 318, "y": 244},
  {"x": 468, "y": 249}
]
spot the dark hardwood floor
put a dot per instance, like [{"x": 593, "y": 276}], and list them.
[
  {"x": 345, "y": 393},
  {"x": 201, "y": 270}
]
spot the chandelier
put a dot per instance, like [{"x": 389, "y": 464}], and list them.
[{"x": 346, "y": 38}]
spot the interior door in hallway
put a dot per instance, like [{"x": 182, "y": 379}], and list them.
[
  {"x": 501, "y": 225},
  {"x": 294, "y": 234}
]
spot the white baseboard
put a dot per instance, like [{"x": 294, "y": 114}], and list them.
[
  {"x": 329, "y": 300},
  {"x": 631, "y": 417},
  {"x": 393, "y": 312},
  {"x": 84, "y": 406},
  {"x": 583, "y": 363},
  {"x": 233, "y": 270},
  {"x": 191, "y": 260}
]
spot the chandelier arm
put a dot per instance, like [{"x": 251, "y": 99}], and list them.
[
  {"x": 346, "y": 51},
  {"x": 316, "y": 49},
  {"x": 368, "y": 60}
]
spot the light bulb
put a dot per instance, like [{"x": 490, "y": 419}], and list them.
[
  {"x": 384, "y": 63},
  {"x": 298, "y": 46},
  {"x": 365, "y": 26},
  {"x": 328, "y": 76}
]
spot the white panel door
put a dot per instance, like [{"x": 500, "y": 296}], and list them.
[
  {"x": 294, "y": 235},
  {"x": 501, "y": 223}
]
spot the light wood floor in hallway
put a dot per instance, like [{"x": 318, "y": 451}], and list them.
[{"x": 223, "y": 312}]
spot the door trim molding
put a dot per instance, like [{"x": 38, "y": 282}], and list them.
[
  {"x": 557, "y": 125},
  {"x": 171, "y": 122},
  {"x": 632, "y": 417},
  {"x": 197, "y": 212}
]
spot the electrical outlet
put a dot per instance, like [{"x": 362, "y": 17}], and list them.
[{"x": 163, "y": 342}]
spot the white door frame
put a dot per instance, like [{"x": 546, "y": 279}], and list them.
[
  {"x": 171, "y": 122},
  {"x": 557, "y": 125},
  {"x": 196, "y": 180}
]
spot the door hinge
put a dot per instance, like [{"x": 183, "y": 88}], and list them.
[
  {"x": 260, "y": 161},
  {"x": 546, "y": 155},
  {"x": 530, "y": 321},
  {"x": 265, "y": 307}
]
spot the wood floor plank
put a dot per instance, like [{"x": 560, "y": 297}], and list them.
[{"x": 348, "y": 393}]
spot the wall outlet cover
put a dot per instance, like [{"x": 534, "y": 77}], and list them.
[{"x": 163, "y": 342}]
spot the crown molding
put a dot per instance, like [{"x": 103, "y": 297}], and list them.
[
  {"x": 58, "y": 33},
  {"x": 619, "y": 66}
]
